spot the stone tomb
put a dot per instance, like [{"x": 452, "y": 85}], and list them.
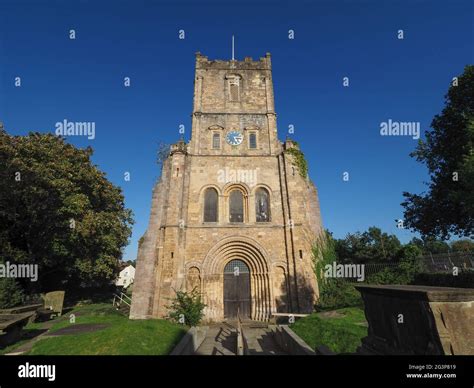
[{"x": 408, "y": 320}]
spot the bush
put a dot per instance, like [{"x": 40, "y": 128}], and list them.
[
  {"x": 11, "y": 293},
  {"x": 464, "y": 279},
  {"x": 333, "y": 293},
  {"x": 337, "y": 293},
  {"x": 324, "y": 253},
  {"x": 408, "y": 267},
  {"x": 187, "y": 308}
]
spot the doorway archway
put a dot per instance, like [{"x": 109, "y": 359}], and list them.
[
  {"x": 254, "y": 256},
  {"x": 237, "y": 296}
]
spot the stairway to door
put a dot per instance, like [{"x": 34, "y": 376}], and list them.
[{"x": 221, "y": 340}]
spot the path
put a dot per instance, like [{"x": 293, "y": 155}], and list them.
[
  {"x": 36, "y": 336},
  {"x": 221, "y": 339}
]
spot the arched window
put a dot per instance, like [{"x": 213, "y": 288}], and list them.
[
  {"x": 262, "y": 205},
  {"x": 193, "y": 280},
  {"x": 236, "y": 206},
  {"x": 216, "y": 140},
  {"x": 210, "y": 205}
]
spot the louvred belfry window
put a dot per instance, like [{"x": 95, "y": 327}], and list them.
[{"x": 234, "y": 88}]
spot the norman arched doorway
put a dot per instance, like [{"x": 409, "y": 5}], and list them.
[
  {"x": 237, "y": 296},
  {"x": 254, "y": 257}
]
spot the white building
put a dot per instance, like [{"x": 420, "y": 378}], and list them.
[{"x": 126, "y": 277}]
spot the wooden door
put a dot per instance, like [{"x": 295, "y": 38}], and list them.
[{"x": 237, "y": 290}]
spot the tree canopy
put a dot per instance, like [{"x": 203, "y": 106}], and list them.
[
  {"x": 372, "y": 245},
  {"x": 59, "y": 211},
  {"x": 447, "y": 208}
]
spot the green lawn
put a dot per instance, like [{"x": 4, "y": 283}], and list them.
[
  {"x": 340, "y": 334},
  {"x": 121, "y": 337}
]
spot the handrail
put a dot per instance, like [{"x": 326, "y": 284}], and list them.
[
  {"x": 240, "y": 335},
  {"x": 122, "y": 298}
]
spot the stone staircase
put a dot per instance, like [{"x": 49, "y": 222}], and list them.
[
  {"x": 221, "y": 339},
  {"x": 260, "y": 340}
]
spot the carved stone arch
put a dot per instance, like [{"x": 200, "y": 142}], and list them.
[
  {"x": 252, "y": 128},
  {"x": 263, "y": 186},
  {"x": 233, "y": 76},
  {"x": 280, "y": 263},
  {"x": 236, "y": 185},
  {"x": 255, "y": 257},
  {"x": 203, "y": 189},
  {"x": 227, "y": 197},
  {"x": 193, "y": 279},
  {"x": 193, "y": 263},
  {"x": 215, "y": 127}
]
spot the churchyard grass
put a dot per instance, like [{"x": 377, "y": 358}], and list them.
[
  {"x": 120, "y": 336},
  {"x": 341, "y": 333}
]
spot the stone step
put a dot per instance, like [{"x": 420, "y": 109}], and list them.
[
  {"x": 220, "y": 341},
  {"x": 260, "y": 341}
]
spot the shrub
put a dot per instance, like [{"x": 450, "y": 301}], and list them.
[
  {"x": 465, "y": 279},
  {"x": 324, "y": 253},
  {"x": 408, "y": 267},
  {"x": 337, "y": 293},
  {"x": 333, "y": 293},
  {"x": 187, "y": 308},
  {"x": 11, "y": 293}
]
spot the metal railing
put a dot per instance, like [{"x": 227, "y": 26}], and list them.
[
  {"x": 122, "y": 298},
  {"x": 444, "y": 262}
]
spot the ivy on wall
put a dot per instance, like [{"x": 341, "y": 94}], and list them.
[{"x": 299, "y": 159}]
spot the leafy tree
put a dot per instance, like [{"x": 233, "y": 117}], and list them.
[
  {"x": 462, "y": 246},
  {"x": 58, "y": 210},
  {"x": 431, "y": 245},
  {"x": 187, "y": 308},
  {"x": 408, "y": 266},
  {"x": 11, "y": 293},
  {"x": 448, "y": 206},
  {"x": 333, "y": 293},
  {"x": 370, "y": 246}
]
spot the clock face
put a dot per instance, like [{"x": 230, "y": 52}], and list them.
[{"x": 234, "y": 138}]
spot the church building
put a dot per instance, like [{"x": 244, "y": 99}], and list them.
[{"x": 234, "y": 214}]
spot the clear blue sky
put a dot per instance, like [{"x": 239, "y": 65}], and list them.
[{"x": 337, "y": 127}]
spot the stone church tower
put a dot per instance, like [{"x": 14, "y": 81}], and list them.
[{"x": 232, "y": 214}]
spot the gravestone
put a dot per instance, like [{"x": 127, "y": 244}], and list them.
[{"x": 418, "y": 320}]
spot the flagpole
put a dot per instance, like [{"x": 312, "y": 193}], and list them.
[{"x": 233, "y": 58}]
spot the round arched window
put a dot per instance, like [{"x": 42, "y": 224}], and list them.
[
  {"x": 262, "y": 205},
  {"x": 236, "y": 206},
  {"x": 210, "y": 205}
]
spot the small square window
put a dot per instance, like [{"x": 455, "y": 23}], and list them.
[
  {"x": 253, "y": 140},
  {"x": 216, "y": 141}
]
